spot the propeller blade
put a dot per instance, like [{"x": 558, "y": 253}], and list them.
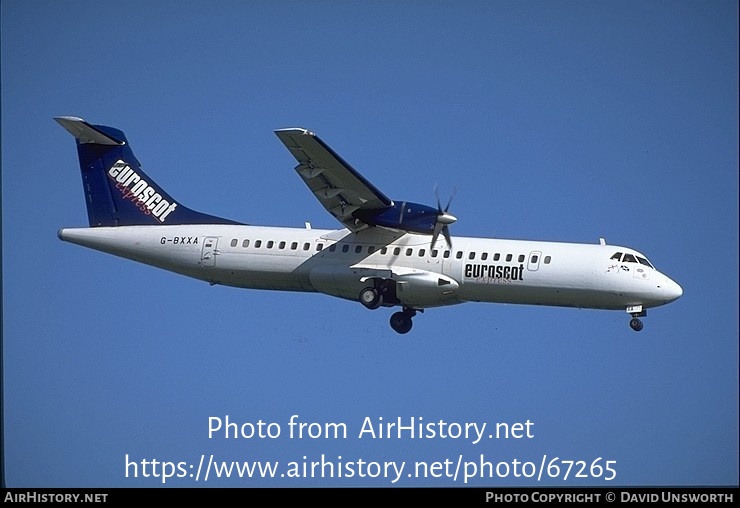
[
  {"x": 437, "y": 229},
  {"x": 446, "y": 232},
  {"x": 444, "y": 219},
  {"x": 454, "y": 191}
]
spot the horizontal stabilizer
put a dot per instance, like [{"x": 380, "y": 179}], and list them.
[{"x": 86, "y": 133}]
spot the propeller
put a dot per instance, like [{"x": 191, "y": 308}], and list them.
[{"x": 444, "y": 219}]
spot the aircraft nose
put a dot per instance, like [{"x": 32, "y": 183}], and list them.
[{"x": 671, "y": 290}]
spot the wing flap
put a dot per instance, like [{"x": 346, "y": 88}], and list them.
[{"x": 337, "y": 185}]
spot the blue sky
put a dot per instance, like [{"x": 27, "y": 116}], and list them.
[{"x": 567, "y": 120}]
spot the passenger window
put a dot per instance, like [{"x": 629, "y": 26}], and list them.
[
  {"x": 270, "y": 244},
  {"x": 370, "y": 249},
  {"x": 396, "y": 251},
  {"x": 521, "y": 258},
  {"x": 496, "y": 256},
  {"x": 281, "y": 245},
  {"x": 358, "y": 249},
  {"x": 421, "y": 253},
  {"x": 484, "y": 256},
  {"x": 306, "y": 246},
  {"x": 234, "y": 242},
  {"x": 258, "y": 244},
  {"x": 345, "y": 248},
  {"x": 384, "y": 250},
  {"x": 471, "y": 255},
  {"x": 408, "y": 251},
  {"x": 435, "y": 252},
  {"x": 294, "y": 246},
  {"x": 245, "y": 243},
  {"x": 459, "y": 254},
  {"x": 508, "y": 257},
  {"x": 547, "y": 260},
  {"x": 319, "y": 247},
  {"x": 332, "y": 247},
  {"x": 446, "y": 254}
]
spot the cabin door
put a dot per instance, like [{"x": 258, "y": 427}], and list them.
[{"x": 209, "y": 252}]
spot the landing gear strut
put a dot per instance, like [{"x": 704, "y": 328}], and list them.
[{"x": 401, "y": 321}]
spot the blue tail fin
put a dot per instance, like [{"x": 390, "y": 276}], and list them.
[{"x": 117, "y": 191}]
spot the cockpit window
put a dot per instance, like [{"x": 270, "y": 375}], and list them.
[
  {"x": 630, "y": 258},
  {"x": 645, "y": 262}
]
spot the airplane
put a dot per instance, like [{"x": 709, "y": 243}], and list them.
[{"x": 387, "y": 253}]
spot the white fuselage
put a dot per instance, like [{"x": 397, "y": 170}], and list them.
[{"x": 339, "y": 263}]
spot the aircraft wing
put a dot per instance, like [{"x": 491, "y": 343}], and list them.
[{"x": 336, "y": 184}]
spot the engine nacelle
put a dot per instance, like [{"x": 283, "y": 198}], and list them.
[{"x": 412, "y": 217}]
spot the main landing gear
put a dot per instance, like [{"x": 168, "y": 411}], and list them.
[
  {"x": 384, "y": 294},
  {"x": 371, "y": 298},
  {"x": 636, "y": 312},
  {"x": 401, "y": 321}
]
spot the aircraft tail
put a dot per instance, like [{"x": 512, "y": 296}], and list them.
[{"x": 117, "y": 191}]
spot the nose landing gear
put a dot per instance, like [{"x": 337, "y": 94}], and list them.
[
  {"x": 636, "y": 324},
  {"x": 636, "y": 311}
]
